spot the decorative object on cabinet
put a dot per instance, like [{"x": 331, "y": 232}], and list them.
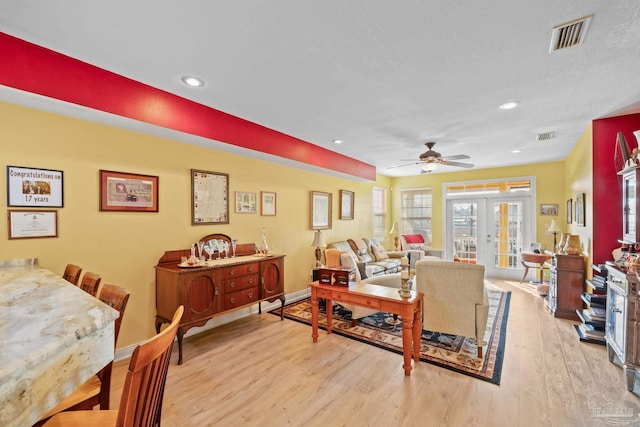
[
  {"x": 34, "y": 188},
  {"x": 320, "y": 210},
  {"x": 592, "y": 328},
  {"x": 566, "y": 283},
  {"x": 267, "y": 203},
  {"x": 209, "y": 197},
  {"x": 572, "y": 245},
  {"x": 622, "y": 155},
  {"x": 622, "y": 313},
  {"x": 30, "y": 224},
  {"x": 569, "y": 211},
  {"x": 128, "y": 192},
  {"x": 347, "y": 202},
  {"x": 580, "y": 214},
  {"x": 318, "y": 243},
  {"x": 245, "y": 202},
  {"x": 562, "y": 242},
  {"x": 216, "y": 288},
  {"x": 554, "y": 229},
  {"x": 549, "y": 209}
]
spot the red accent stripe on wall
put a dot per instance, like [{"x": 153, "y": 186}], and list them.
[{"x": 35, "y": 69}]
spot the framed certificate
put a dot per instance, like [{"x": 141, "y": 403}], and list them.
[{"x": 28, "y": 224}]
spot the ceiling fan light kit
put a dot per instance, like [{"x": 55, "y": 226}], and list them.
[{"x": 430, "y": 159}]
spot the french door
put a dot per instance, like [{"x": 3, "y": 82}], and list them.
[{"x": 491, "y": 231}]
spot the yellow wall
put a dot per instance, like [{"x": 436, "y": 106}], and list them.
[
  {"x": 549, "y": 189},
  {"x": 578, "y": 178},
  {"x": 125, "y": 246}
]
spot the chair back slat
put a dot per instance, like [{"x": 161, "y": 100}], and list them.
[
  {"x": 117, "y": 298},
  {"x": 90, "y": 283},
  {"x": 72, "y": 274},
  {"x": 141, "y": 402}
]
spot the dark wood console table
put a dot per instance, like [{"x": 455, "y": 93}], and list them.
[{"x": 217, "y": 287}]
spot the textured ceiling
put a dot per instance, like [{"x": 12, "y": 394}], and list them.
[{"x": 383, "y": 76}]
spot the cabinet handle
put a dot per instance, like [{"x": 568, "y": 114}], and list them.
[
  {"x": 251, "y": 295},
  {"x": 216, "y": 290},
  {"x": 615, "y": 310},
  {"x": 232, "y": 284},
  {"x": 232, "y": 300},
  {"x": 250, "y": 281},
  {"x": 232, "y": 272}
]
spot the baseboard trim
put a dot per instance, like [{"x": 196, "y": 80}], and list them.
[{"x": 126, "y": 352}]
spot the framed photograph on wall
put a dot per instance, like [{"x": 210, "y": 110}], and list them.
[
  {"x": 122, "y": 191},
  {"x": 549, "y": 209},
  {"x": 320, "y": 210},
  {"x": 267, "y": 203},
  {"x": 29, "y": 224},
  {"x": 209, "y": 197},
  {"x": 569, "y": 211},
  {"x": 32, "y": 187},
  {"x": 245, "y": 202},
  {"x": 580, "y": 215},
  {"x": 346, "y": 204}
]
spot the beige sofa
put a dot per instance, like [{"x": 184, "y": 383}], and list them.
[{"x": 370, "y": 257}]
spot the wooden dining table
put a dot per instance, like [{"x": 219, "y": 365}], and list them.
[{"x": 54, "y": 338}]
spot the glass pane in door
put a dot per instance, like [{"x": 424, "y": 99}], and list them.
[
  {"x": 508, "y": 233},
  {"x": 465, "y": 231}
]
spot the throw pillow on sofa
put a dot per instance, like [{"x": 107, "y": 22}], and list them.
[{"x": 379, "y": 253}]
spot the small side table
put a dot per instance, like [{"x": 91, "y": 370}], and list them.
[{"x": 529, "y": 258}]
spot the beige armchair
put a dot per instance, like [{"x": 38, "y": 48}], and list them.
[{"x": 455, "y": 299}]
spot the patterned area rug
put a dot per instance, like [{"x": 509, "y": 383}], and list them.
[{"x": 448, "y": 351}]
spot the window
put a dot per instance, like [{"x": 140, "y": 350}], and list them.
[
  {"x": 379, "y": 213},
  {"x": 416, "y": 212}
]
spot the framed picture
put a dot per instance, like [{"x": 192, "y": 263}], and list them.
[
  {"x": 209, "y": 197},
  {"x": 268, "y": 203},
  {"x": 31, "y": 187},
  {"x": 549, "y": 209},
  {"x": 128, "y": 192},
  {"x": 245, "y": 202},
  {"x": 29, "y": 224},
  {"x": 320, "y": 209},
  {"x": 346, "y": 204},
  {"x": 569, "y": 211},
  {"x": 580, "y": 217}
]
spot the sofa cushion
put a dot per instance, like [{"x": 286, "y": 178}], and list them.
[
  {"x": 361, "y": 250},
  {"x": 379, "y": 253}
]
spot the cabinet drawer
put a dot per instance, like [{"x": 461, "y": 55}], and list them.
[
  {"x": 360, "y": 300},
  {"x": 240, "y": 298},
  {"x": 240, "y": 270},
  {"x": 238, "y": 283}
]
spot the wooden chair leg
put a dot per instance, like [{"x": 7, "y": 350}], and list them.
[
  {"x": 479, "y": 352},
  {"x": 526, "y": 271}
]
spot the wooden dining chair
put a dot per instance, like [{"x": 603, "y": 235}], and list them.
[
  {"x": 141, "y": 401},
  {"x": 96, "y": 390},
  {"x": 90, "y": 283},
  {"x": 72, "y": 274}
]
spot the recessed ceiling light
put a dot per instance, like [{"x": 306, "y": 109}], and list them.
[
  {"x": 192, "y": 81},
  {"x": 337, "y": 141},
  {"x": 516, "y": 150},
  {"x": 509, "y": 105}
]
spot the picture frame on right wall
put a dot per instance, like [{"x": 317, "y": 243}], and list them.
[
  {"x": 569, "y": 211},
  {"x": 580, "y": 214}
]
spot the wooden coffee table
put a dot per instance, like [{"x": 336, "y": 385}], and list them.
[{"x": 380, "y": 298}]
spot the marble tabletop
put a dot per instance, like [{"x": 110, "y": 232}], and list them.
[{"x": 54, "y": 337}]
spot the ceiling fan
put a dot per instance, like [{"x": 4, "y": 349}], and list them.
[{"x": 430, "y": 159}]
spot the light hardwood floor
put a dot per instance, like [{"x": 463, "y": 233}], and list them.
[{"x": 260, "y": 371}]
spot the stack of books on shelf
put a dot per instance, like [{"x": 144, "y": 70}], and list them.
[{"x": 594, "y": 315}]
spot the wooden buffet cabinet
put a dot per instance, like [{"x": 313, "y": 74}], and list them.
[
  {"x": 220, "y": 286},
  {"x": 566, "y": 282}
]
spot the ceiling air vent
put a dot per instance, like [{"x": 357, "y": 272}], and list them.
[
  {"x": 569, "y": 34},
  {"x": 544, "y": 136}
]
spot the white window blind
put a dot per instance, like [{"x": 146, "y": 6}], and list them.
[
  {"x": 416, "y": 212},
  {"x": 379, "y": 212}
]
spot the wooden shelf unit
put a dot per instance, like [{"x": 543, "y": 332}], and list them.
[{"x": 566, "y": 283}]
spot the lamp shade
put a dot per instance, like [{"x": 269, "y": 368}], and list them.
[
  {"x": 553, "y": 227},
  {"x": 318, "y": 240},
  {"x": 394, "y": 228}
]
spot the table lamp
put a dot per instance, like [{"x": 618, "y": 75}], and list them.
[
  {"x": 554, "y": 229},
  {"x": 394, "y": 232},
  {"x": 318, "y": 242}
]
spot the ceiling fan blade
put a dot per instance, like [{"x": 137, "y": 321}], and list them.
[
  {"x": 457, "y": 157},
  {"x": 406, "y": 164},
  {"x": 457, "y": 164}
]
